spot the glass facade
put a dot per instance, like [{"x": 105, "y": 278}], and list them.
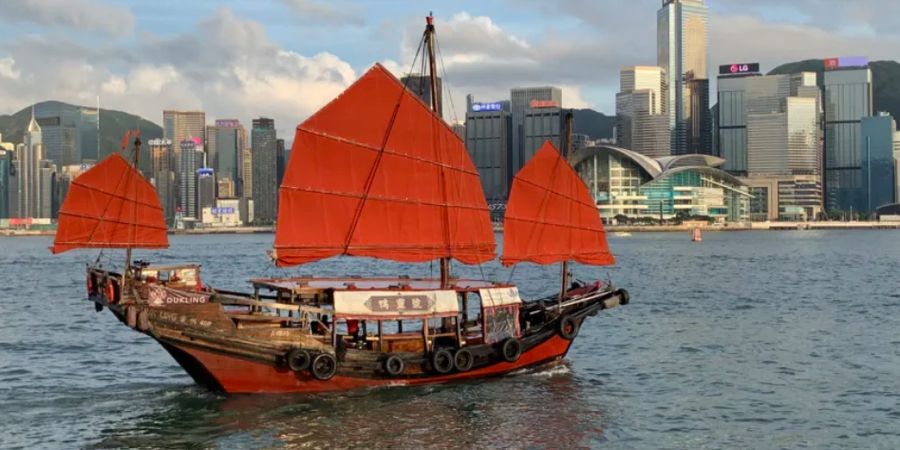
[
  {"x": 488, "y": 142},
  {"x": 520, "y": 101},
  {"x": 265, "y": 170},
  {"x": 681, "y": 53},
  {"x": 877, "y": 167},
  {"x": 641, "y": 122},
  {"x": 848, "y": 98},
  {"x": 624, "y": 183}
]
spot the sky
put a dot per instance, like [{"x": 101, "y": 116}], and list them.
[{"x": 286, "y": 58}]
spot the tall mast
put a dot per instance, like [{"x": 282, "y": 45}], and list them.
[
  {"x": 135, "y": 162},
  {"x": 436, "y": 107},
  {"x": 567, "y": 151}
]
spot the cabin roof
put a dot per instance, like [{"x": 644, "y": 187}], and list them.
[{"x": 343, "y": 283}]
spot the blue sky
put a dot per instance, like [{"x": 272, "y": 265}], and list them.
[{"x": 285, "y": 58}]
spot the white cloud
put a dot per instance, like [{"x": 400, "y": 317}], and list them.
[
  {"x": 8, "y": 70},
  {"x": 226, "y": 66},
  {"x": 79, "y": 14}
]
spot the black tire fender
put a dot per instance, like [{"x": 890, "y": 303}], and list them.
[
  {"x": 442, "y": 361},
  {"x": 298, "y": 359},
  {"x": 511, "y": 349},
  {"x": 624, "y": 297},
  {"x": 324, "y": 366},
  {"x": 568, "y": 328},
  {"x": 463, "y": 360},
  {"x": 394, "y": 365}
]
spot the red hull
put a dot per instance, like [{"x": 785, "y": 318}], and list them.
[{"x": 236, "y": 375}]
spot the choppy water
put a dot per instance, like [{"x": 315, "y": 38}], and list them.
[{"x": 749, "y": 340}]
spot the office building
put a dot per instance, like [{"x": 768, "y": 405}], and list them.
[
  {"x": 280, "y": 159},
  {"x": 544, "y": 121},
  {"x": 489, "y": 144},
  {"x": 70, "y": 133},
  {"x": 769, "y": 134},
  {"x": 681, "y": 53},
  {"x": 522, "y": 99},
  {"x": 162, "y": 175},
  {"x": 35, "y": 176},
  {"x": 421, "y": 86},
  {"x": 642, "y": 123},
  {"x": 192, "y": 158},
  {"x": 228, "y": 140},
  {"x": 897, "y": 166},
  {"x": 847, "y": 99},
  {"x": 263, "y": 143},
  {"x": 181, "y": 125},
  {"x": 206, "y": 188},
  {"x": 5, "y": 169},
  {"x": 878, "y": 177}
]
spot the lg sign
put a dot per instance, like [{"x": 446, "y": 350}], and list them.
[{"x": 737, "y": 69}]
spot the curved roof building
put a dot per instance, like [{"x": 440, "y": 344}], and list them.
[{"x": 627, "y": 183}]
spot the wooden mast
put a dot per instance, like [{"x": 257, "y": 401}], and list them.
[
  {"x": 567, "y": 151},
  {"x": 436, "y": 107},
  {"x": 135, "y": 162}
]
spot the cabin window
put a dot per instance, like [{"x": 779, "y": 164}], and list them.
[{"x": 501, "y": 322}]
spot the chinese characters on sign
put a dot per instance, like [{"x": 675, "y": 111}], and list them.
[{"x": 399, "y": 303}]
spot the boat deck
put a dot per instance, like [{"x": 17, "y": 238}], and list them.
[{"x": 342, "y": 283}]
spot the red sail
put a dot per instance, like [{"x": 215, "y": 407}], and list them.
[
  {"x": 551, "y": 217},
  {"x": 111, "y": 206},
  {"x": 376, "y": 173}
]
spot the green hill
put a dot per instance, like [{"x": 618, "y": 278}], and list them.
[
  {"x": 113, "y": 125},
  {"x": 885, "y": 81},
  {"x": 594, "y": 124}
]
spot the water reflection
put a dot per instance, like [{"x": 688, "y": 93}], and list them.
[{"x": 538, "y": 409}]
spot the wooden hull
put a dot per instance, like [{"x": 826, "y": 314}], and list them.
[{"x": 230, "y": 374}]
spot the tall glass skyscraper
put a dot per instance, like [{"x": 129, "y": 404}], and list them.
[
  {"x": 877, "y": 142},
  {"x": 642, "y": 124},
  {"x": 681, "y": 53},
  {"x": 264, "y": 150},
  {"x": 848, "y": 98}
]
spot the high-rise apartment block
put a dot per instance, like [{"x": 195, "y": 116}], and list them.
[
  {"x": 642, "y": 122},
  {"x": 265, "y": 170},
  {"x": 681, "y": 53}
]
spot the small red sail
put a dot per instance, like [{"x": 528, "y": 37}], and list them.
[
  {"x": 376, "y": 173},
  {"x": 111, "y": 206},
  {"x": 551, "y": 217}
]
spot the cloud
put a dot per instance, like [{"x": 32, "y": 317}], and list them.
[
  {"x": 322, "y": 13},
  {"x": 226, "y": 66},
  {"x": 8, "y": 70},
  {"x": 78, "y": 14}
]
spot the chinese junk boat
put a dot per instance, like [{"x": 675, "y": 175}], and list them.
[{"x": 375, "y": 173}]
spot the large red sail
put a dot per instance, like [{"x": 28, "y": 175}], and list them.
[
  {"x": 376, "y": 173},
  {"x": 111, "y": 206},
  {"x": 551, "y": 217}
]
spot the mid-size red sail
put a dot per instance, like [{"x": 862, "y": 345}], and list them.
[
  {"x": 376, "y": 173},
  {"x": 111, "y": 206},
  {"x": 551, "y": 217}
]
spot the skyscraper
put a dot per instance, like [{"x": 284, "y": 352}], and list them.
[
  {"x": 421, "y": 86},
  {"x": 848, "y": 98},
  {"x": 206, "y": 189},
  {"x": 265, "y": 170},
  {"x": 35, "y": 176},
  {"x": 681, "y": 53},
  {"x": 642, "y": 124},
  {"x": 770, "y": 133},
  {"x": 163, "y": 176},
  {"x": 281, "y": 161},
  {"x": 522, "y": 99},
  {"x": 877, "y": 142},
  {"x": 5, "y": 168},
  {"x": 229, "y": 146},
  {"x": 489, "y": 143},
  {"x": 180, "y": 125},
  {"x": 191, "y": 159}
]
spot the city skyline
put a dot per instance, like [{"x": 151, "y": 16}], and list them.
[{"x": 245, "y": 59}]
